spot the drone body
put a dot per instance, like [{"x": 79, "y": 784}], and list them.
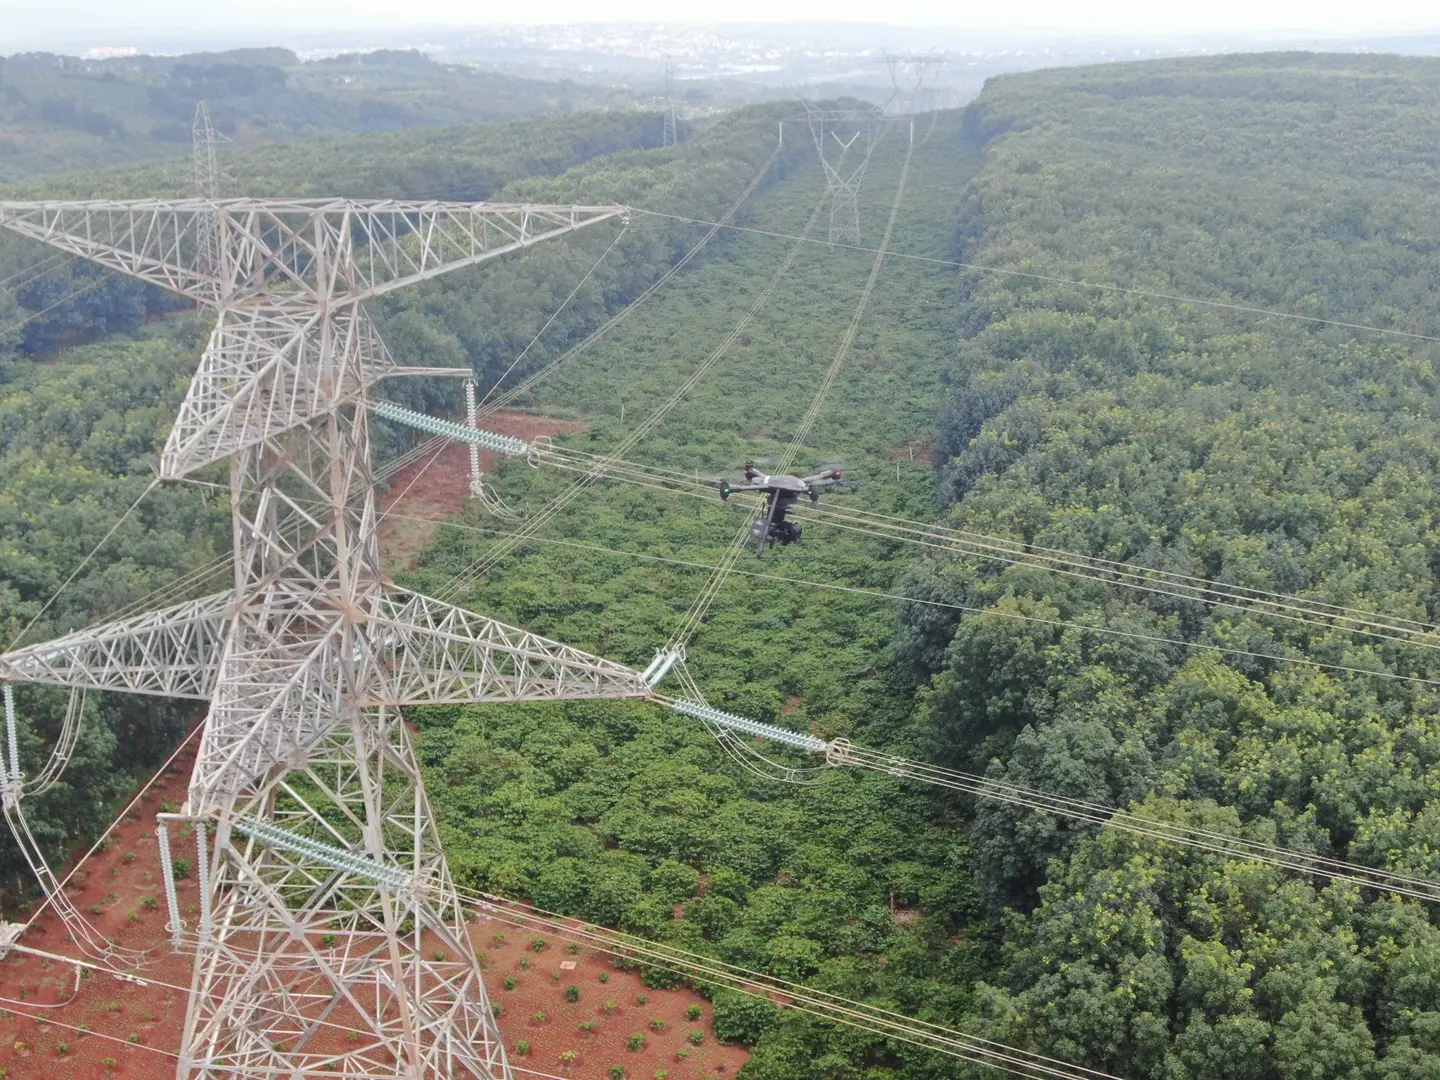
[{"x": 781, "y": 493}]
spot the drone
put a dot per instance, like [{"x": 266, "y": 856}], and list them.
[{"x": 781, "y": 494}]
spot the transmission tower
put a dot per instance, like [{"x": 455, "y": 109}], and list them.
[
  {"x": 205, "y": 139},
  {"x": 844, "y": 159},
  {"x": 325, "y": 899},
  {"x": 671, "y": 137},
  {"x": 908, "y": 75}
]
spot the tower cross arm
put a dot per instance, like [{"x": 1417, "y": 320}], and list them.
[
  {"x": 410, "y": 242},
  {"x": 157, "y": 241},
  {"x": 436, "y": 653},
  {"x": 169, "y": 652},
  {"x": 301, "y": 251}
]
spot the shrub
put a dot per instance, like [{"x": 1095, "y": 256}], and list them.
[
  {"x": 693, "y": 1013},
  {"x": 635, "y": 1042},
  {"x": 573, "y": 948},
  {"x": 94, "y": 909},
  {"x": 328, "y": 940},
  {"x": 588, "y": 1025},
  {"x": 537, "y": 944},
  {"x": 641, "y": 999},
  {"x": 509, "y": 982},
  {"x": 740, "y": 1018},
  {"x": 661, "y": 1074},
  {"x": 496, "y": 1009},
  {"x": 572, "y": 994},
  {"x": 180, "y": 869},
  {"x": 608, "y": 1005},
  {"x": 569, "y": 1057},
  {"x": 498, "y": 939},
  {"x": 149, "y": 903},
  {"x": 617, "y": 1072},
  {"x": 604, "y": 976},
  {"x": 437, "y": 955},
  {"x": 62, "y": 1047},
  {"x": 661, "y": 978},
  {"x": 540, "y": 1018},
  {"x": 656, "y": 1024},
  {"x": 129, "y": 856},
  {"x": 522, "y": 1048},
  {"x": 696, "y": 1037}
]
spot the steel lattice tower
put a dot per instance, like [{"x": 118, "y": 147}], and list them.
[
  {"x": 325, "y": 897},
  {"x": 843, "y": 173},
  {"x": 671, "y": 136},
  {"x": 908, "y": 74},
  {"x": 205, "y": 139}
]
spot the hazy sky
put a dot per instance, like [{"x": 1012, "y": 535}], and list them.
[{"x": 22, "y": 20}]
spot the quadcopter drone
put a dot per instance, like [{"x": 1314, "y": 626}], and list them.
[{"x": 781, "y": 494}]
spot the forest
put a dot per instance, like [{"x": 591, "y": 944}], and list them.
[
  {"x": 62, "y": 113},
  {"x": 1073, "y": 346}
]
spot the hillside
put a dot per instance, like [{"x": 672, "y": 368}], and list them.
[
  {"x": 1026, "y": 372},
  {"x": 1269, "y": 453},
  {"x": 62, "y": 113},
  {"x": 57, "y": 301},
  {"x": 1275, "y": 454}
]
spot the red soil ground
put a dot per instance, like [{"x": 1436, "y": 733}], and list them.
[
  {"x": 132, "y": 1029},
  {"x": 437, "y": 486}
]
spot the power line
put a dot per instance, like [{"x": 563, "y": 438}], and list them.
[
  {"x": 1296, "y": 609},
  {"x": 556, "y": 313},
  {"x": 82, "y": 564},
  {"x": 18, "y": 324},
  {"x": 481, "y": 566},
  {"x": 650, "y": 290},
  {"x": 968, "y": 609},
  {"x": 690, "y": 625},
  {"x": 1150, "y": 294}
]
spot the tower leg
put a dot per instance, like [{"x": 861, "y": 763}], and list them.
[{"x": 346, "y": 956}]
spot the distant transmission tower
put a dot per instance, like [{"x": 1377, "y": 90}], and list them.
[
  {"x": 205, "y": 139},
  {"x": 908, "y": 75},
  {"x": 325, "y": 900},
  {"x": 671, "y": 135},
  {"x": 844, "y": 160}
]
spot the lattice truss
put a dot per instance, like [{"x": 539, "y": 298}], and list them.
[
  {"x": 845, "y": 140},
  {"x": 325, "y": 896}
]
